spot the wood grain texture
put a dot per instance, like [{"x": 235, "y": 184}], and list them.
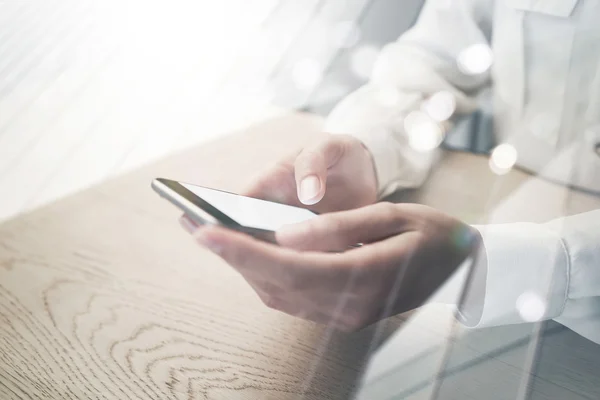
[{"x": 103, "y": 296}]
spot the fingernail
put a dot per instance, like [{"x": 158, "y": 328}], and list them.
[
  {"x": 203, "y": 237},
  {"x": 188, "y": 224},
  {"x": 309, "y": 189}
]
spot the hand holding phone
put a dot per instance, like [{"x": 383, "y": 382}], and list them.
[{"x": 202, "y": 205}]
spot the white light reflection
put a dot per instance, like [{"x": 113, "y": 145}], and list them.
[
  {"x": 424, "y": 134},
  {"x": 363, "y": 60},
  {"x": 307, "y": 73},
  {"x": 531, "y": 307},
  {"x": 441, "y": 106},
  {"x": 475, "y": 59},
  {"x": 345, "y": 34},
  {"x": 503, "y": 158}
]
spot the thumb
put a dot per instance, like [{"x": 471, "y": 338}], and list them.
[
  {"x": 340, "y": 230},
  {"x": 311, "y": 166}
]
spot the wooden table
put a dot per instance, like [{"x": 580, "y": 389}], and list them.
[{"x": 102, "y": 295}]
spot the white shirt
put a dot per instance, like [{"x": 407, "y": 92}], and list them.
[{"x": 546, "y": 103}]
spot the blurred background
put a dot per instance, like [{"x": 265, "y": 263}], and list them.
[{"x": 90, "y": 89}]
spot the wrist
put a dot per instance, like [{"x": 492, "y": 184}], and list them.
[{"x": 450, "y": 293}]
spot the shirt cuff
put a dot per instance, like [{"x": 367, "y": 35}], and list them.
[
  {"x": 464, "y": 291},
  {"x": 526, "y": 274}
]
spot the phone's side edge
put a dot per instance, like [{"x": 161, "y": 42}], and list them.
[
  {"x": 200, "y": 216},
  {"x": 190, "y": 209}
]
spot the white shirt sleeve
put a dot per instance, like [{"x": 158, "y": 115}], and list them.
[
  {"x": 535, "y": 272},
  {"x": 407, "y": 73}
]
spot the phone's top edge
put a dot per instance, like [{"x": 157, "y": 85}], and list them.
[
  {"x": 156, "y": 182},
  {"x": 163, "y": 181}
]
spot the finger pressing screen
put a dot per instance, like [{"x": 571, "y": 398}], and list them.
[
  {"x": 311, "y": 167},
  {"x": 265, "y": 261}
]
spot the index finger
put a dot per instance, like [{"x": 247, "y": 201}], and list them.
[
  {"x": 252, "y": 257},
  {"x": 342, "y": 229}
]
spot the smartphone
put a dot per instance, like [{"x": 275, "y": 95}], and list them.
[{"x": 203, "y": 205}]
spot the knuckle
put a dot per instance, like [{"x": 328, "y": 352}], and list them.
[
  {"x": 333, "y": 147},
  {"x": 386, "y": 208},
  {"x": 282, "y": 167},
  {"x": 332, "y": 224},
  {"x": 387, "y": 211},
  {"x": 336, "y": 147},
  {"x": 313, "y": 227},
  {"x": 337, "y": 224},
  {"x": 308, "y": 158},
  {"x": 335, "y": 142},
  {"x": 324, "y": 227}
]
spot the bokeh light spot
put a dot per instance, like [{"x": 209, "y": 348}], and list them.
[
  {"x": 531, "y": 307},
  {"x": 424, "y": 134},
  {"x": 503, "y": 158},
  {"x": 441, "y": 106},
  {"x": 475, "y": 59}
]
